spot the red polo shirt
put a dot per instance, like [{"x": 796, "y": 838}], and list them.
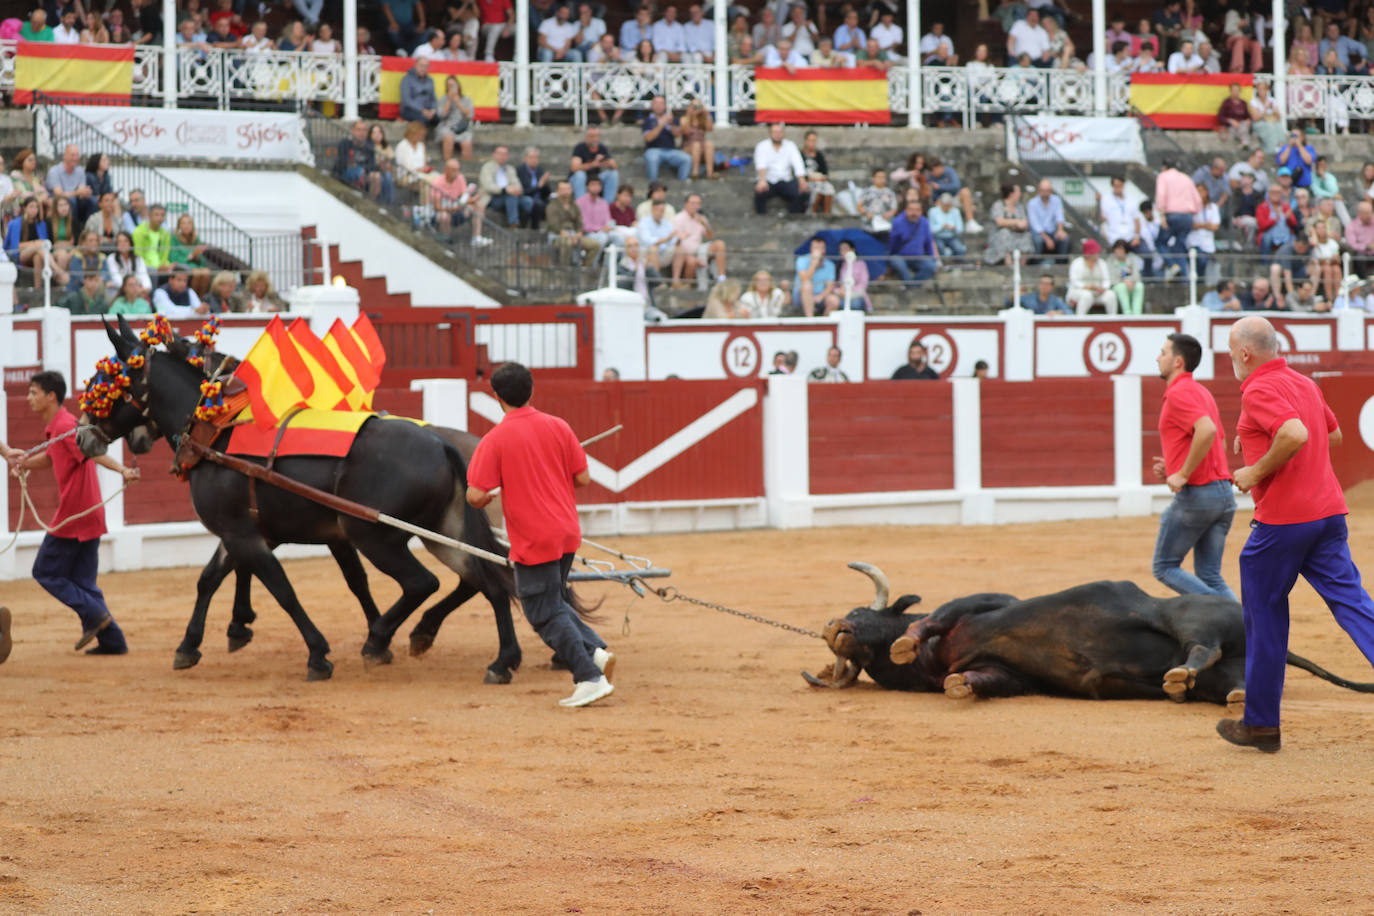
[
  {"x": 1186, "y": 402},
  {"x": 77, "y": 486},
  {"x": 533, "y": 457},
  {"x": 1305, "y": 488},
  {"x": 494, "y": 11}
]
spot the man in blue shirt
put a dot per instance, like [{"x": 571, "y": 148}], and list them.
[
  {"x": 1045, "y": 214},
  {"x": 636, "y": 30},
  {"x": 1222, "y": 299},
  {"x": 910, "y": 245},
  {"x": 660, "y": 142},
  {"x": 1042, "y": 300},
  {"x": 1343, "y": 44},
  {"x": 944, "y": 180},
  {"x": 1299, "y": 158}
]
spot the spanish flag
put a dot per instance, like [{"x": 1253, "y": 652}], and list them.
[
  {"x": 73, "y": 73},
  {"x": 813, "y": 95},
  {"x": 1178, "y": 101},
  {"x": 332, "y": 384},
  {"x": 480, "y": 82},
  {"x": 353, "y": 360},
  {"x": 277, "y": 377}
]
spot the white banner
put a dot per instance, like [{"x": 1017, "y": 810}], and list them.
[
  {"x": 192, "y": 134},
  {"x": 1075, "y": 139}
]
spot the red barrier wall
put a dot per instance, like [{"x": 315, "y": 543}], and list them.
[
  {"x": 881, "y": 436},
  {"x": 1048, "y": 433},
  {"x": 1352, "y": 460}
]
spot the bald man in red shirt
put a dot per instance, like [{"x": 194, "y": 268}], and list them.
[
  {"x": 1285, "y": 433},
  {"x": 537, "y": 461}
]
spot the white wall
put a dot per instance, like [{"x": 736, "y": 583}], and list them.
[{"x": 273, "y": 201}]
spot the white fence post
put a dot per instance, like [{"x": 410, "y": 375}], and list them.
[
  {"x": 1127, "y": 418},
  {"x": 9, "y": 276},
  {"x": 786, "y": 455},
  {"x": 56, "y": 335},
  {"x": 169, "y": 54},
  {"x": 1018, "y": 344},
  {"x": 444, "y": 400},
  {"x": 7, "y": 559},
  {"x": 979, "y": 508}
]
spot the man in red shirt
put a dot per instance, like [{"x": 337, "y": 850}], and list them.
[
  {"x": 498, "y": 21},
  {"x": 536, "y": 461},
  {"x": 70, "y": 554},
  {"x": 1194, "y": 467},
  {"x": 1285, "y": 433}
]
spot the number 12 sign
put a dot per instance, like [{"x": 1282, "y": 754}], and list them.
[{"x": 742, "y": 356}]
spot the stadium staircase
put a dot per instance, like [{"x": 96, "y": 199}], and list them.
[{"x": 372, "y": 291}]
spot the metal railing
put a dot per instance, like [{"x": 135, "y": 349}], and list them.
[{"x": 1042, "y": 161}]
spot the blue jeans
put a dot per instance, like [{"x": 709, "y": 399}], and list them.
[
  {"x": 912, "y": 270},
  {"x": 1273, "y": 558},
  {"x": 656, "y": 156},
  {"x": 572, "y": 56},
  {"x": 540, "y": 589},
  {"x": 1198, "y": 520},
  {"x": 1173, "y": 241},
  {"x": 512, "y": 205},
  {"x": 66, "y": 568},
  {"x": 950, "y": 246},
  {"x": 610, "y": 181}
]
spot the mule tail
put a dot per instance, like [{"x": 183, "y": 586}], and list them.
[{"x": 1297, "y": 661}]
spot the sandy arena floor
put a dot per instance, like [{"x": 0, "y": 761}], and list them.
[{"x": 714, "y": 781}]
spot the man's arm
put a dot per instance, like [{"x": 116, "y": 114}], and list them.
[
  {"x": 129, "y": 474},
  {"x": 1204, "y": 434},
  {"x": 580, "y": 479},
  {"x": 1292, "y": 435},
  {"x": 478, "y": 498}
]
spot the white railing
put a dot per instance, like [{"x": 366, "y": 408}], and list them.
[{"x": 274, "y": 77}]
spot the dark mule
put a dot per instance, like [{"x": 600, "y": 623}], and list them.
[{"x": 397, "y": 468}]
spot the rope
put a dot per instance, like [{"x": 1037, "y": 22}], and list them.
[
  {"x": 26, "y": 502},
  {"x": 670, "y": 594}
]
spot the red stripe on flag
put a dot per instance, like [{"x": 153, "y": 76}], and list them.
[
  {"x": 1184, "y": 121},
  {"x": 116, "y": 53},
  {"x": 348, "y": 346},
  {"x": 457, "y": 68},
  {"x": 307, "y": 341},
  {"x": 390, "y": 111},
  {"x": 26, "y": 97},
  {"x": 368, "y": 335},
  {"x": 1192, "y": 79},
  {"x": 820, "y": 74},
  {"x": 806, "y": 116}
]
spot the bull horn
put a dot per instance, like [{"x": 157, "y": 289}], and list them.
[{"x": 880, "y": 586}]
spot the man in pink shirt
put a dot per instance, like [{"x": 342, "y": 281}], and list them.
[
  {"x": 450, "y": 198},
  {"x": 696, "y": 245},
  {"x": 1178, "y": 200},
  {"x": 596, "y": 214},
  {"x": 1359, "y": 237}
]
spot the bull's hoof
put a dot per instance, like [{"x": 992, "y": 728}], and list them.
[
  {"x": 1176, "y": 684},
  {"x": 957, "y": 687},
  {"x": 185, "y": 658},
  {"x": 238, "y": 640},
  {"x": 372, "y": 656},
  {"x": 420, "y": 643},
  {"x": 496, "y": 677},
  {"x": 1235, "y": 700},
  {"x": 321, "y": 670},
  {"x": 903, "y": 651}
]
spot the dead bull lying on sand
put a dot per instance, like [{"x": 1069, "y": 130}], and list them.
[{"x": 1103, "y": 640}]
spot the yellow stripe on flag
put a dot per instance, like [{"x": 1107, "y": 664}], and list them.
[
  {"x": 480, "y": 82},
  {"x": 822, "y": 96},
  {"x": 89, "y": 73},
  {"x": 1185, "y": 102}
]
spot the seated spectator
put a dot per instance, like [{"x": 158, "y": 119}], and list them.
[
  {"x": 355, "y": 163},
  {"x": 1027, "y": 37},
  {"x": 223, "y": 289},
  {"x": 1042, "y": 300},
  {"x": 877, "y": 204},
  {"x": 1124, "y": 267},
  {"x": 723, "y": 301},
  {"x": 657, "y": 236},
  {"x": 783, "y": 55},
  {"x": 768, "y": 30},
  {"x": 914, "y": 174},
  {"x": 88, "y": 298},
  {"x": 1305, "y": 299},
  {"x": 946, "y": 224},
  {"x": 132, "y": 298},
  {"x": 817, "y": 174},
  {"x": 623, "y": 211},
  {"x": 1222, "y": 299},
  {"x": 889, "y": 36},
  {"x": 916, "y": 368},
  {"x": 634, "y": 272},
  {"x": 636, "y": 30},
  {"x": 1352, "y": 297},
  {"x": 1120, "y": 220},
  {"x": 175, "y": 298},
  {"x": 942, "y": 55},
  {"x": 1326, "y": 213},
  {"x": 36, "y": 27},
  {"x": 763, "y": 300},
  {"x": 831, "y": 371},
  {"x": 1244, "y": 205},
  {"x": 669, "y": 38},
  {"x": 556, "y": 37},
  {"x": 661, "y": 132},
  {"x": 597, "y": 224},
  {"x": 293, "y": 38},
  {"x": 592, "y": 158},
  {"x": 67, "y": 180},
  {"x": 1091, "y": 281},
  {"x": 801, "y": 31},
  {"x": 1211, "y": 60},
  {"x": 534, "y": 187},
  {"x": 189, "y": 251},
  {"x": 1275, "y": 222},
  {"x": 500, "y": 185},
  {"x": 136, "y": 213},
  {"x": 1060, "y": 53},
  {"x": 1266, "y": 123},
  {"x": 257, "y": 42},
  {"x": 870, "y": 55},
  {"x": 1202, "y": 237},
  {"x": 1045, "y": 215},
  {"x": 1326, "y": 187},
  {"x": 1359, "y": 238},
  {"x": 122, "y": 263},
  {"x": 1011, "y": 228},
  {"x": 62, "y": 229},
  {"x": 825, "y": 56},
  {"x": 1118, "y": 58},
  {"x": 748, "y": 54},
  {"x": 943, "y": 179},
  {"x": 418, "y": 102},
  {"x": 432, "y": 47},
  {"x": 1185, "y": 60},
  {"x": 258, "y": 296},
  {"x": 86, "y": 259},
  {"x": 400, "y": 22},
  {"x": 852, "y": 279},
  {"x": 153, "y": 241},
  {"x": 699, "y": 37},
  {"x": 411, "y": 157},
  {"x": 565, "y": 225},
  {"x": 849, "y": 38},
  {"x": 658, "y": 194},
  {"x": 814, "y": 280},
  {"x": 911, "y": 247},
  {"x": 1215, "y": 179},
  {"x": 696, "y": 243},
  {"x": 697, "y": 125},
  {"x": 1326, "y": 253},
  {"x": 1241, "y": 42},
  {"x": 1233, "y": 117},
  {"x": 781, "y": 172},
  {"x": 456, "y": 119},
  {"x": 1343, "y": 45},
  {"x": 1146, "y": 62},
  {"x": 107, "y": 221},
  {"x": 1261, "y": 297},
  {"x": 454, "y": 203}
]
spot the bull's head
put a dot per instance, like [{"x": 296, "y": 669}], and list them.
[{"x": 861, "y": 639}]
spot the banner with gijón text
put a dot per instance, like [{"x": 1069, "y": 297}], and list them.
[
  {"x": 189, "y": 134},
  {"x": 1075, "y": 139}
]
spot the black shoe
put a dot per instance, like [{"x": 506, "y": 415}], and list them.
[
  {"x": 1261, "y": 738},
  {"x": 6, "y": 639},
  {"x": 92, "y": 632},
  {"x": 108, "y": 650}
]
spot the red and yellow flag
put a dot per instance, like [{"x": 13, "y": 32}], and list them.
[
  {"x": 332, "y": 384},
  {"x": 354, "y": 362},
  {"x": 480, "y": 82},
  {"x": 1178, "y": 101},
  {"x": 278, "y": 379},
  {"x": 817, "y": 95},
  {"x": 73, "y": 73}
]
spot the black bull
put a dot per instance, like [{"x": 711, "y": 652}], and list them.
[{"x": 1103, "y": 640}]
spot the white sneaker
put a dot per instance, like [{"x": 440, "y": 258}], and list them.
[
  {"x": 605, "y": 660},
  {"x": 1173, "y": 271},
  {"x": 973, "y": 226},
  {"x": 479, "y": 241},
  {"x": 588, "y": 692}
]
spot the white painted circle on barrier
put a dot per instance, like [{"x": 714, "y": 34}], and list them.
[
  {"x": 1367, "y": 423},
  {"x": 1106, "y": 352},
  {"x": 741, "y": 356},
  {"x": 941, "y": 354}
]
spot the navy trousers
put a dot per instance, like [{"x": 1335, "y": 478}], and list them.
[
  {"x": 66, "y": 568},
  {"x": 540, "y": 589},
  {"x": 1273, "y": 558}
]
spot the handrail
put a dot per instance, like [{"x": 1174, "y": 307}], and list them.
[{"x": 1046, "y": 153}]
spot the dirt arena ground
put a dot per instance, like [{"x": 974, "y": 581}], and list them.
[{"x": 714, "y": 781}]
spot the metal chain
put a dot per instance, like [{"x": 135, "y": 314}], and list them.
[{"x": 670, "y": 594}]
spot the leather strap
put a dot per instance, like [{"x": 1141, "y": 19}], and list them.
[{"x": 271, "y": 459}]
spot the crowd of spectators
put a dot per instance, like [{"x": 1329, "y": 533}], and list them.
[{"x": 109, "y": 252}]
